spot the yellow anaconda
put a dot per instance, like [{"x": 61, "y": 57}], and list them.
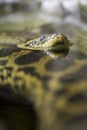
[{"x": 56, "y": 87}]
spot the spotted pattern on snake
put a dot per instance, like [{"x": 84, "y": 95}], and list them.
[{"x": 56, "y": 88}]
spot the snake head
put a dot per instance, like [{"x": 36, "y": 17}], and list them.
[{"x": 46, "y": 42}]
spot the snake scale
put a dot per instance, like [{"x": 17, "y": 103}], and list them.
[{"x": 48, "y": 73}]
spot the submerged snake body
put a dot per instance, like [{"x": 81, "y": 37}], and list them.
[{"x": 56, "y": 88}]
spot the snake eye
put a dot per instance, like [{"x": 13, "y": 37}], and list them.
[
  {"x": 31, "y": 43},
  {"x": 42, "y": 38}
]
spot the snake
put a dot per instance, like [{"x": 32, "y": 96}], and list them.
[{"x": 48, "y": 73}]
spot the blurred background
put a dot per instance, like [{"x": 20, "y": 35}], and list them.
[{"x": 43, "y": 16}]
